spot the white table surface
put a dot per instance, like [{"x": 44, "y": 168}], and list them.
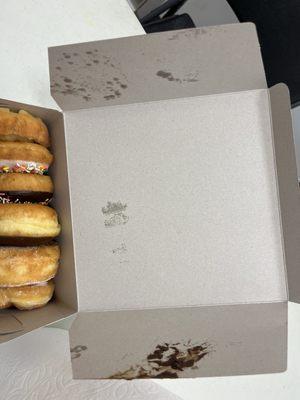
[{"x": 37, "y": 365}]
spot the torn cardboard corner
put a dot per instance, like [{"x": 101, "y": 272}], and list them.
[{"x": 171, "y": 147}]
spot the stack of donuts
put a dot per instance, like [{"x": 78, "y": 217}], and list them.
[{"x": 29, "y": 257}]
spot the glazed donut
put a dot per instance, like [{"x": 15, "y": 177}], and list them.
[
  {"x": 21, "y": 157},
  {"x": 22, "y": 127},
  {"x": 25, "y": 188},
  {"x": 27, "y": 224},
  {"x": 28, "y": 265},
  {"x": 26, "y": 297}
]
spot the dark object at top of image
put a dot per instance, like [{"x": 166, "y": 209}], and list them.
[
  {"x": 162, "y": 17},
  {"x": 278, "y": 27}
]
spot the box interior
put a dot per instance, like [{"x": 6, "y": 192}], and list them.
[
  {"x": 178, "y": 203},
  {"x": 233, "y": 335},
  {"x": 166, "y": 222},
  {"x": 13, "y": 322}
]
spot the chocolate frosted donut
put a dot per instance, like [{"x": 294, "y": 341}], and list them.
[
  {"x": 26, "y": 297},
  {"x": 27, "y": 224},
  {"x": 22, "y": 127},
  {"x": 25, "y": 197},
  {"x": 28, "y": 265},
  {"x": 28, "y": 158},
  {"x": 25, "y": 188}
]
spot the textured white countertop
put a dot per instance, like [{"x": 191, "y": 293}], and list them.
[{"x": 37, "y": 366}]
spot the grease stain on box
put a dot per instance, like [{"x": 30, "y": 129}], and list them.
[
  {"x": 114, "y": 213},
  {"x": 120, "y": 250},
  {"x": 167, "y": 75},
  {"x": 76, "y": 351},
  {"x": 191, "y": 77},
  {"x": 188, "y": 33},
  {"x": 110, "y": 82},
  {"x": 167, "y": 360}
]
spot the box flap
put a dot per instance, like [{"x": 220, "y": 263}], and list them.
[
  {"x": 175, "y": 203},
  {"x": 159, "y": 66},
  {"x": 289, "y": 191},
  {"x": 209, "y": 341}
]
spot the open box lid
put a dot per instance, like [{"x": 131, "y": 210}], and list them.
[
  {"x": 155, "y": 67},
  {"x": 136, "y": 237}
]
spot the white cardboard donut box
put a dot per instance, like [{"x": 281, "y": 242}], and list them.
[{"x": 176, "y": 188}]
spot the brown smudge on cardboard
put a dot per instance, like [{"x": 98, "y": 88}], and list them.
[
  {"x": 76, "y": 351},
  {"x": 191, "y": 77},
  {"x": 167, "y": 360},
  {"x": 190, "y": 80},
  {"x": 167, "y": 75},
  {"x": 109, "y": 86}
]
